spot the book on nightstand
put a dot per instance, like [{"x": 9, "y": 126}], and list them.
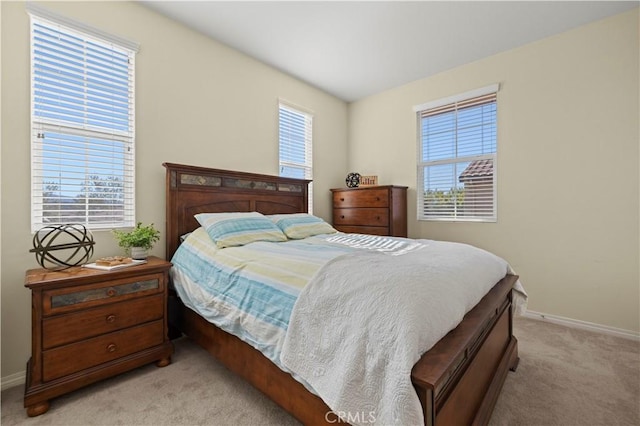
[{"x": 112, "y": 263}]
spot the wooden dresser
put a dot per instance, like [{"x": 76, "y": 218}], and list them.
[
  {"x": 90, "y": 324},
  {"x": 379, "y": 210}
]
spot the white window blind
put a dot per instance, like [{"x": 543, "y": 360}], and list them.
[
  {"x": 83, "y": 127},
  {"x": 295, "y": 135},
  {"x": 457, "y": 158}
]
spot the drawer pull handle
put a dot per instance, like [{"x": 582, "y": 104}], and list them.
[
  {"x": 112, "y": 347},
  {"x": 377, "y": 217},
  {"x": 111, "y": 292},
  {"x": 111, "y": 318},
  {"x": 342, "y": 217},
  {"x": 377, "y": 198},
  {"x": 341, "y": 199}
]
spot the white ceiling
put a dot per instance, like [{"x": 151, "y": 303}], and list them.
[{"x": 356, "y": 49}]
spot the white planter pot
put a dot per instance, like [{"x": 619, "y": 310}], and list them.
[{"x": 139, "y": 253}]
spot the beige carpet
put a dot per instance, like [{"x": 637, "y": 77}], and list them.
[{"x": 565, "y": 377}]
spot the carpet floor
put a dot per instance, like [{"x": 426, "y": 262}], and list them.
[{"x": 565, "y": 377}]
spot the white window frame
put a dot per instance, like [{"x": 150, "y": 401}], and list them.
[
  {"x": 62, "y": 130},
  {"x": 453, "y": 102},
  {"x": 283, "y": 138}
]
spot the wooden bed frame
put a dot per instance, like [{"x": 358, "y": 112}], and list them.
[{"x": 458, "y": 381}]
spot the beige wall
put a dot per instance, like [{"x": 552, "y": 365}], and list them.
[
  {"x": 568, "y": 178},
  {"x": 568, "y": 174},
  {"x": 197, "y": 102}
]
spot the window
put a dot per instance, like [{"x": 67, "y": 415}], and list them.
[
  {"x": 295, "y": 135},
  {"x": 457, "y": 157},
  {"x": 82, "y": 123}
]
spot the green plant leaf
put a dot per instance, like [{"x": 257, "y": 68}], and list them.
[{"x": 140, "y": 236}]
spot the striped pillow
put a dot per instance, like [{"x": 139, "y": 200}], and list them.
[
  {"x": 237, "y": 229},
  {"x": 301, "y": 225}
]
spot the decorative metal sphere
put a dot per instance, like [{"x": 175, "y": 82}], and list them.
[{"x": 62, "y": 246}]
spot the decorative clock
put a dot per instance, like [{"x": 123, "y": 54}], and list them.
[{"x": 353, "y": 180}]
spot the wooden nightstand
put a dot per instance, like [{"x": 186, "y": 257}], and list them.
[
  {"x": 378, "y": 210},
  {"x": 88, "y": 325}
]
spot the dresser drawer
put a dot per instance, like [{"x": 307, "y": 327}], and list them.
[
  {"x": 82, "y": 297},
  {"x": 75, "y": 357},
  {"x": 363, "y": 217},
  {"x": 371, "y": 230},
  {"x": 72, "y": 327},
  {"x": 361, "y": 198}
]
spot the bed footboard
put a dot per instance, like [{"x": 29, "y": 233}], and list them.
[{"x": 458, "y": 381}]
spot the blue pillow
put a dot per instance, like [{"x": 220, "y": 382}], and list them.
[
  {"x": 237, "y": 229},
  {"x": 301, "y": 225}
]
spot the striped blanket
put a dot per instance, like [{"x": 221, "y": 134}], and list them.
[{"x": 250, "y": 291}]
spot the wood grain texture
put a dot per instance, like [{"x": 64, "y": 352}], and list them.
[
  {"x": 361, "y": 197},
  {"x": 365, "y": 216},
  {"x": 377, "y": 210},
  {"x": 103, "y": 323},
  {"x": 63, "y": 329},
  {"x": 67, "y": 359}
]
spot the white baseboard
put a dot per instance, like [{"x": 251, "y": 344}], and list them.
[
  {"x": 13, "y": 380},
  {"x": 584, "y": 325}
]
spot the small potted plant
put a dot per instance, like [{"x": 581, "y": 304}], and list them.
[{"x": 138, "y": 241}]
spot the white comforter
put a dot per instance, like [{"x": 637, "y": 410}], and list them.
[{"x": 361, "y": 324}]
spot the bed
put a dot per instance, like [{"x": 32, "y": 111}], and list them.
[{"x": 457, "y": 381}]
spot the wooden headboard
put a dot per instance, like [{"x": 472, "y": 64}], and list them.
[{"x": 191, "y": 190}]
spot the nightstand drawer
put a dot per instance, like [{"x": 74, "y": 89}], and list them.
[
  {"x": 72, "y": 327},
  {"x": 75, "y": 357},
  {"x": 81, "y": 297},
  {"x": 363, "y": 216},
  {"x": 361, "y": 198}
]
